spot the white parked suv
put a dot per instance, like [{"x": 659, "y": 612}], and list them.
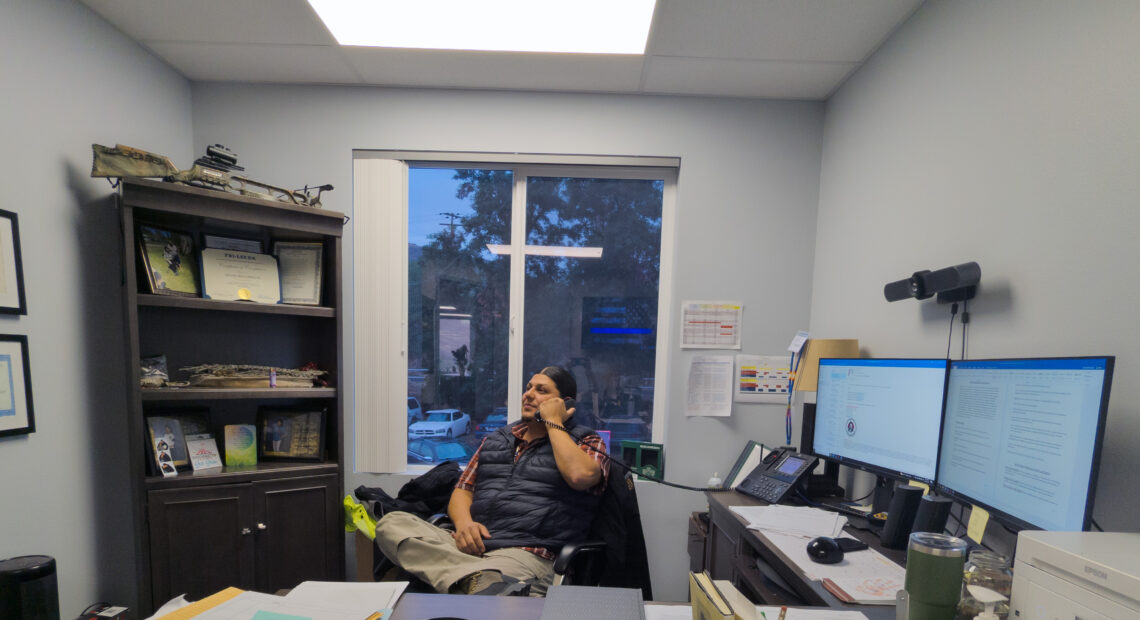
[
  {"x": 441, "y": 423},
  {"x": 415, "y": 412}
]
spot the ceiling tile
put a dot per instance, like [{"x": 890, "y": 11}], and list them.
[
  {"x": 814, "y": 30},
  {"x": 283, "y": 41},
  {"x": 745, "y": 78},
  {"x": 216, "y": 21},
  {"x": 258, "y": 63},
  {"x": 500, "y": 70}
]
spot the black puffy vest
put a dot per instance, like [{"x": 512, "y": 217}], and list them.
[{"x": 527, "y": 503}]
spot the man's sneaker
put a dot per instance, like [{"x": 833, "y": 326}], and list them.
[{"x": 491, "y": 583}]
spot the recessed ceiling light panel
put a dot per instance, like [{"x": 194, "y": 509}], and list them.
[{"x": 570, "y": 26}]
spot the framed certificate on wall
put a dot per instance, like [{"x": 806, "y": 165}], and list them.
[
  {"x": 11, "y": 267},
  {"x": 16, "y": 415}
]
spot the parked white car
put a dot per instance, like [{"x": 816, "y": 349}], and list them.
[{"x": 441, "y": 423}]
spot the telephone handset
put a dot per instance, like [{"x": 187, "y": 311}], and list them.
[
  {"x": 777, "y": 475},
  {"x": 567, "y": 402}
]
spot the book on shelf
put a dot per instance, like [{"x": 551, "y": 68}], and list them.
[
  {"x": 241, "y": 445},
  {"x": 203, "y": 451}
]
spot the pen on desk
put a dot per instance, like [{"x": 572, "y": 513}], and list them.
[
  {"x": 783, "y": 612},
  {"x": 764, "y": 615}
]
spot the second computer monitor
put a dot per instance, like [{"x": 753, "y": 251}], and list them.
[
  {"x": 881, "y": 415},
  {"x": 1023, "y": 438}
]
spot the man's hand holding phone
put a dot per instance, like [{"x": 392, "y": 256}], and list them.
[
  {"x": 555, "y": 410},
  {"x": 469, "y": 538}
]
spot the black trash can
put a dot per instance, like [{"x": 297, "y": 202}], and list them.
[{"x": 28, "y": 588}]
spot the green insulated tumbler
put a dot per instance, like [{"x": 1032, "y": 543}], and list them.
[{"x": 934, "y": 575}]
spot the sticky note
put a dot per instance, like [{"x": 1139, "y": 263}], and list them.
[
  {"x": 978, "y": 520},
  {"x": 922, "y": 485}
]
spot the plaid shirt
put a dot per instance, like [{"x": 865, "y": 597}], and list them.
[{"x": 467, "y": 478}]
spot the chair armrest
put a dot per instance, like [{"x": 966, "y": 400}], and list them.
[
  {"x": 441, "y": 520},
  {"x": 572, "y": 550}
]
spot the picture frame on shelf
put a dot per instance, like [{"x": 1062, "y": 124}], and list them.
[
  {"x": 232, "y": 275},
  {"x": 290, "y": 434},
  {"x": 170, "y": 259},
  {"x": 165, "y": 433},
  {"x": 232, "y": 243},
  {"x": 299, "y": 266},
  {"x": 12, "y": 300},
  {"x": 17, "y": 416},
  {"x": 185, "y": 423}
]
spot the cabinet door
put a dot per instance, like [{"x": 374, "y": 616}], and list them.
[
  {"x": 200, "y": 540},
  {"x": 299, "y": 526}
]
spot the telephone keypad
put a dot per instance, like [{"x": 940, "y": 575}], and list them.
[{"x": 767, "y": 489}]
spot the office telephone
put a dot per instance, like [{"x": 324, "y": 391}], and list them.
[{"x": 777, "y": 475}]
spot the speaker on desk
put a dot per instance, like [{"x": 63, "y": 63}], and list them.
[
  {"x": 900, "y": 516},
  {"x": 932, "y": 514}
]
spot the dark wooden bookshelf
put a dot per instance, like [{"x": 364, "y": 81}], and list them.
[{"x": 264, "y": 527}]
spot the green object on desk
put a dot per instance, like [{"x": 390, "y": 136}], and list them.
[{"x": 934, "y": 575}]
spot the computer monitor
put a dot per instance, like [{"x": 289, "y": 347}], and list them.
[
  {"x": 1022, "y": 438},
  {"x": 881, "y": 415}
]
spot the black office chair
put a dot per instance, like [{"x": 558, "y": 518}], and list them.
[{"x": 613, "y": 555}]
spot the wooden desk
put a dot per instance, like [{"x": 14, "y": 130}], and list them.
[{"x": 743, "y": 556}]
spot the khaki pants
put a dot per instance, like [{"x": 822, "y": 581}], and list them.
[{"x": 429, "y": 552}]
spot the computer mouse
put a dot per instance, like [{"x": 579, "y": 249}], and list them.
[{"x": 825, "y": 550}]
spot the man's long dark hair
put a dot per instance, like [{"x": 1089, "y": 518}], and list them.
[{"x": 563, "y": 380}]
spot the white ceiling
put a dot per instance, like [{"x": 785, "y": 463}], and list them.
[{"x": 782, "y": 49}]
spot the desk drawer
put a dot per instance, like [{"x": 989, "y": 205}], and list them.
[{"x": 754, "y": 576}]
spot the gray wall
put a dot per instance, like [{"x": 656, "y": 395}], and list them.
[
  {"x": 70, "y": 80},
  {"x": 1006, "y": 133},
  {"x": 746, "y": 203}
]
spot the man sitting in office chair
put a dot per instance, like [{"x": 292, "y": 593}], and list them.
[{"x": 529, "y": 489}]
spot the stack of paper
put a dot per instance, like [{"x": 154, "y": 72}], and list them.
[
  {"x": 863, "y": 565},
  {"x": 311, "y": 600},
  {"x": 792, "y": 520}
]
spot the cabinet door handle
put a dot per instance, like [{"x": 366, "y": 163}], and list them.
[
  {"x": 245, "y": 531},
  {"x": 262, "y": 527}
]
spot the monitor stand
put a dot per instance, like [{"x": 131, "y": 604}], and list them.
[
  {"x": 825, "y": 484},
  {"x": 884, "y": 490}
]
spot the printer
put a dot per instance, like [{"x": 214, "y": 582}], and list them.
[{"x": 1086, "y": 575}]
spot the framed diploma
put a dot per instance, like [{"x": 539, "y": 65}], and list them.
[
  {"x": 233, "y": 275},
  {"x": 300, "y": 267},
  {"x": 16, "y": 416},
  {"x": 233, "y": 243},
  {"x": 11, "y": 269}
]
